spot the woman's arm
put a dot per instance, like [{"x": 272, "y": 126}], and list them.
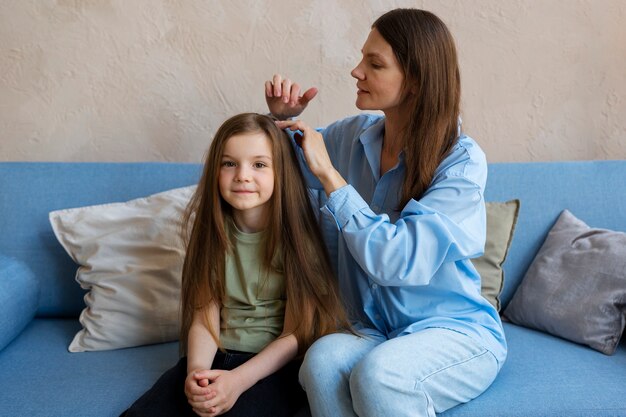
[
  {"x": 447, "y": 224},
  {"x": 317, "y": 159}
]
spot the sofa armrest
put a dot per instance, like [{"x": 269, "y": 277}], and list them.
[{"x": 19, "y": 298}]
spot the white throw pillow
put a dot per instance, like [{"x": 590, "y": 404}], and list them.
[{"x": 130, "y": 256}]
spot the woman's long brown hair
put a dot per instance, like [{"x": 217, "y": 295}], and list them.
[
  {"x": 425, "y": 49},
  {"x": 292, "y": 231}
]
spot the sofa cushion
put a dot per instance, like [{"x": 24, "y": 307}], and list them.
[
  {"x": 547, "y": 376},
  {"x": 575, "y": 287},
  {"x": 19, "y": 298},
  {"x": 130, "y": 256},
  {"x": 501, "y": 220},
  {"x": 40, "y": 378}
]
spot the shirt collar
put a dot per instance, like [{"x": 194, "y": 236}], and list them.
[{"x": 373, "y": 133}]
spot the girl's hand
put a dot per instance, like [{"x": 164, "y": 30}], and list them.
[
  {"x": 284, "y": 99},
  {"x": 199, "y": 393},
  {"x": 227, "y": 388},
  {"x": 316, "y": 155}
]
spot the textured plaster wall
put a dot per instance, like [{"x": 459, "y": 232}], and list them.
[{"x": 150, "y": 80}]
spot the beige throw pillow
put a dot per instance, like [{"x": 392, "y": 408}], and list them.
[
  {"x": 130, "y": 259},
  {"x": 130, "y": 256},
  {"x": 501, "y": 220}
]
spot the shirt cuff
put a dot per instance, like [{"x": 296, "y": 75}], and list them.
[{"x": 343, "y": 203}]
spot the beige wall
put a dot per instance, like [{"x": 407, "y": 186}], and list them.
[{"x": 150, "y": 80}]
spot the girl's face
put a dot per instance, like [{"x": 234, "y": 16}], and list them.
[
  {"x": 246, "y": 178},
  {"x": 379, "y": 76}
]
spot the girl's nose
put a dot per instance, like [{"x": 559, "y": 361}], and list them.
[{"x": 242, "y": 175}]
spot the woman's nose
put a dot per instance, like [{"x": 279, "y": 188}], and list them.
[{"x": 357, "y": 73}]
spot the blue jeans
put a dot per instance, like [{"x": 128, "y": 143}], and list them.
[{"x": 420, "y": 374}]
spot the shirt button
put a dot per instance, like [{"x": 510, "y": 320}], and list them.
[
  {"x": 377, "y": 317},
  {"x": 249, "y": 320},
  {"x": 375, "y": 207},
  {"x": 374, "y": 286}
]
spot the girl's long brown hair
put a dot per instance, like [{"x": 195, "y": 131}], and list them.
[
  {"x": 292, "y": 231},
  {"x": 425, "y": 49}
]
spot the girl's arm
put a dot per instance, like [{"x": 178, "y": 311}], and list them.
[
  {"x": 201, "y": 349},
  {"x": 229, "y": 385},
  {"x": 201, "y": 346}
]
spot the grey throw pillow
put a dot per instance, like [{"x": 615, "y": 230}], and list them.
[{"x": 575, "y": 287}]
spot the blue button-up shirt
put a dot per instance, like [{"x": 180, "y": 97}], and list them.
[{"x": 404, "y": 270}]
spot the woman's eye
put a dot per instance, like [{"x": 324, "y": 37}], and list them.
[{"x": 376, "y": 66}]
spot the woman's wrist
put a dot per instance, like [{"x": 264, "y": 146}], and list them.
[{"x": 331, "y": 180}]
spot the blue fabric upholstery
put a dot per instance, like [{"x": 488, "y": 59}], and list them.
[
  {"x": 39, "y": 377},
  {"x": 543, "y": 375},
  {"x": 19, "y": 298},
  {"x": 31, "y": 190},
  {"x": 594, "y": 191},
  {"x": 547, "y": 376}
]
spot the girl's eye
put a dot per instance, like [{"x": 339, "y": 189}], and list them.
[
  {"x": 259, "y": 165},
  {"x": 228, "y": 164}
]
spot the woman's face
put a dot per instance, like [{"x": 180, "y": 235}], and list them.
[{"x": 379, "y": 76}]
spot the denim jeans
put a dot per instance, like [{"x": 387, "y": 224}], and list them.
[
  {"x": 416, "y": 375},
  {"x": 277, "y": 395}
]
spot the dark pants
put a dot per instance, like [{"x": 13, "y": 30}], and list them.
[{"x": 277, "y": 395}]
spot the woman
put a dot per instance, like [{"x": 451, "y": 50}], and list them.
[{"x": 403, "y": 214}]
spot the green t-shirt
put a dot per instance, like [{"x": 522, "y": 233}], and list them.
[{"x": 254, "y": 304}]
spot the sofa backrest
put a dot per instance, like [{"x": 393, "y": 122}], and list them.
[
  {"x": 30, "y": 190},
  {"x": 594, "y": 191}
]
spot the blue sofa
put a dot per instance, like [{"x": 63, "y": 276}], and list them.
[{"x": 543, "y": 376}]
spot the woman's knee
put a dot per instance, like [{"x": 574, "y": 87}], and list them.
[
  {"x": 370, "y": 375},
  {"x": 331, "y": 356}
]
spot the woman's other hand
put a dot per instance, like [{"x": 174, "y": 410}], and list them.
[
  {"x": 315, "y": 153},
  {"x": 283, "y": 97}
]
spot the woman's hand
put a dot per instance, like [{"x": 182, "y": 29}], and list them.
[
  {"x": 316, "y": 155},
  {"x": 284, "y": 99}
]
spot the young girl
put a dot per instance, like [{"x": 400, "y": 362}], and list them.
[{"x": 257, "y": 286}]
